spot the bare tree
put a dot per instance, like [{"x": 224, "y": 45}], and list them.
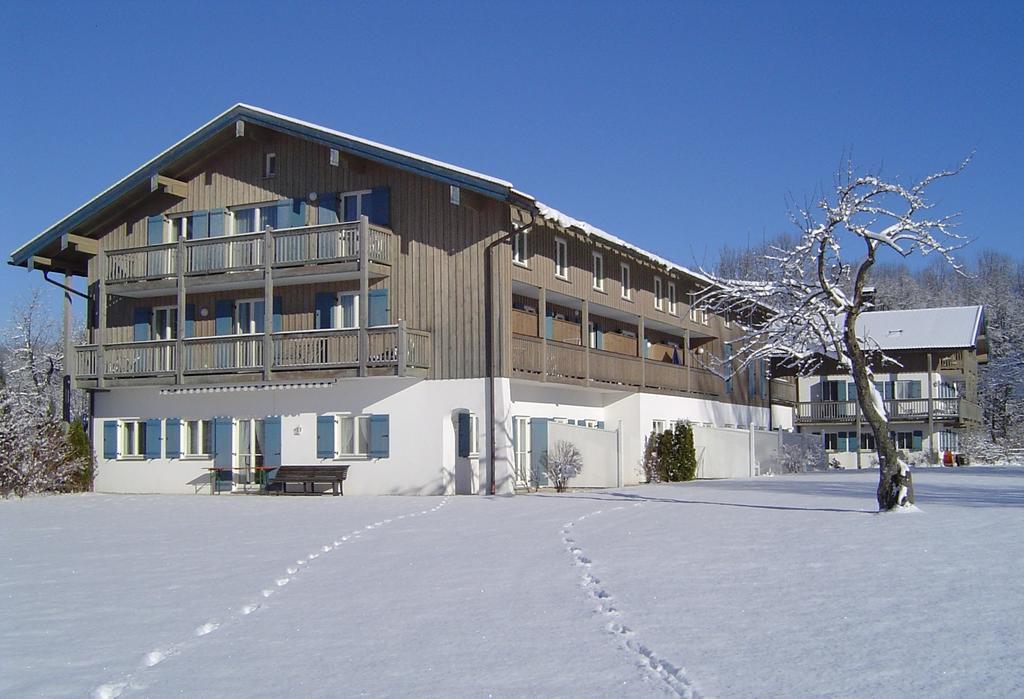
[
  {"x": 562, "y": 463},
  {"x": 806, "y": 308}
]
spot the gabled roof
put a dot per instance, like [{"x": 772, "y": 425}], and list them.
[{"x": 956, "y": 327}]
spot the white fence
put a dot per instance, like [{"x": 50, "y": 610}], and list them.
[
  {"x": 724, "y": 452},
  {"x": 599, "y": 449}
]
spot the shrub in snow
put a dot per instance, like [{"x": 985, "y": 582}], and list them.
[
  {"x": 649, "y": 463},
  {"x": 562, "y": 463},
  {"x": 670, "y": 455}
]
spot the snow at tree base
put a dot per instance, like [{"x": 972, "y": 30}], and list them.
[{"x": 787, "y": 586}]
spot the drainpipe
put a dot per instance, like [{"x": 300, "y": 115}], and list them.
[{"x": 489, "y": 345}]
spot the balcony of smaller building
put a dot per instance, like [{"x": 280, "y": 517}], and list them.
[{"x": 957, "y": 411}]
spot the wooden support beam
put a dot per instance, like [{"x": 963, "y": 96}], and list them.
[
  {"x": 38, "y": 262},
  {"x": 167, "y": 184},
  {"x": 364, "y": 293},
  {"x": 90, "y": 246}
]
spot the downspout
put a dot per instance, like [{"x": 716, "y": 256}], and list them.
[{"x": 489, "y": 344}]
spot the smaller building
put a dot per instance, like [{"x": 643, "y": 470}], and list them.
[{"x": 929, "y": 383}]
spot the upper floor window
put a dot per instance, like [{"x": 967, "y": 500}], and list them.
[
  {"x": 672, "y": 298},
  {"x": 251, "y": 219},
  {"x": 519, "y": 254},
  {"x": 270, "y": 165},
  {"x": 561, "y": 258},
  {"x": 726, "y": 321},
  {"x": 347, "y": 311},
  {"x": 454, "y": 194},
  {"x": 693, "y": 307},
  {"x": 599, "y": 271},
  {"x": 659, "y": 302},
  {"x": 627, "y": 288},
  {"x": 355, "y": 204}
]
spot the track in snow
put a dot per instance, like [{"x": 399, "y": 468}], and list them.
[
  {"x": 127, "y": 682},
  {"x": 671, "y": 675}
]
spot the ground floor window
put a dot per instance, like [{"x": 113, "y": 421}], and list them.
[
  {"x": 831, "y": 441},
  {"x": 133, "y": 438},
  {"x": 658, "y": 426},
  {"x": 521, "y": 447},
  {"x": 867, "y": 441},
  {"x": 353, "y": 435},
  {"x": 905, "y": 441},
  {"x": 474, "y": 434},
  {"x": 948, "y": 441},
  {"x": 197, "y": 439}
]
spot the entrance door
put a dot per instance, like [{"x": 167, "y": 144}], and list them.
[
  {"x": 521, "y": 450},
  {"x": 249, "y": 458}
]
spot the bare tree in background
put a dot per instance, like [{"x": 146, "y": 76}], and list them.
[{"x": 806, "y": 307}]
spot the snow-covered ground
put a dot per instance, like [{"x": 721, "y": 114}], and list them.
[{"x": 786, "y": 586}]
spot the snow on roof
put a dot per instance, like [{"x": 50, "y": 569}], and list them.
[
  {"x": 921, "y": 328},
  {"x": 564, "y": 221}
]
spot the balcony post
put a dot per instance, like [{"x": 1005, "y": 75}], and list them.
[
  {"x": 70, "y": 355},
  {"x": 542, "y": 330},
  {"x": 101, "y": 318},
  {"x": 641, "y": 350},
  {"x": 268, "y": 304},
  {"x": 403, "y": 347},
  {"x": 364, "y": 292},
  {"x": 931, "y": 407},
  {"x": 585, "y": 338},
  {"x": 688, "y": 359},
  {"x": 179, "y": 334}
]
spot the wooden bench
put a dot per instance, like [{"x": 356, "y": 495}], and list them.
[{"x": 308, "y": 476}]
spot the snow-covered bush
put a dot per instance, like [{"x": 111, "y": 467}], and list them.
[
  {"x": 562, "y": 463},
  {"x": 670, "y": 455},
  {"x": 649, "y": 463}
]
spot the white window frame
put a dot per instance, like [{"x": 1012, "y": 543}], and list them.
[
  {"x": 866, "y": 441},
  {"x": 135, "y": 430},
  {"x": 705, "y": 316},
  {"x": 258, "y": 222},
  {"x": 171, "y": 329},
  {"x": 269, "y": 165},
  {"x": 360, "y": 195},
  {"x": 726, "y": 320},
  {"x": 520, "y": 253},
  {"x": 183, "y": 223},
  {"x": 590, "y": 423},
  {"x": 474, "y": 435},
  {"x": 658, "y": 426},
  {"x": 521, "y": 448},
  {"x": 672, "y": 298},
  {"x": 356, "y": 419},
  {"x": 454, "y": 194},
  {"x": 252, "y": 318},
  {"x": 830, "y": 436},
  {"x": 626, "y": 279},
  {"x": 337, "y": 311},
  {"x": 561, "y": 258},
  {"x": 204, "y": 428},
  {"x": 659, "y": 302},
  {"x": 693, "y": 308},
  {"x": 597, "y": 267}
]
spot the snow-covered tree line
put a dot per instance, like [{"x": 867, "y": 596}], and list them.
[
  {"x": 38, "y": 451},
  {"x": 991, "y": 278}
]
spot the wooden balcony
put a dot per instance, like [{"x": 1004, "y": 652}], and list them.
[
  {"x": 287, "y": 247},
  {"x": 561, "y": 362},
  {"x": 783, "y": 392},
  {"x": 391, "y": 349},
  {"x": 898, "y": 410}
]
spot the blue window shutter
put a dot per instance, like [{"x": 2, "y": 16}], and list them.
[
  {"x": 764, "y": 378},
  {"x": 291, "y": 213},
  {"x": 199, "y": 225},
  {"x": 600, "y": 424},
  {"x": 222, "y": 444},
  {"x": 277, "y": 315},
  {"x": 224, "y": 313},
  {"x": 380, "y": 206},
  {"x": 173, "y": 447},
  {"x": 153, "y": 437},
  {"x": 155, "y": 230},
  {"x": 379, "y": 436},
  {"x": 327, "y": 208},
  {"x": 351, "y": 212},
  {"x": 324, "y": 316},
  {"x": 727, "y": 355},
  {"x": 549, "y": 327},
  {"x": 325, "y": 436},
  {"x": 190, "y": 320},
  {"x": 272, "y": 441},
  {"x": 110, "y": 439},
  {"x": 851, "y": 390},
  {"x": 378, "y": 307},
  {"x": 143, "y": 317},
  {"x": 257, "y": 310},
  {"x": 918, "y": 440},
  {"x": 840, "y": 390},
  {"x": 218, "y": 222},
  {"x": 915, "y": 389},
  {"x": 751, "y": 380},
  {"x": 538, "y": 447},
  {"x": 598, "y": 337},
  {"x": 464, "y": 435}
]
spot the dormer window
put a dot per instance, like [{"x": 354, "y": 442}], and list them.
[
  {"x": 270, "y": 165},
  {"x": 561, "y": 258}
]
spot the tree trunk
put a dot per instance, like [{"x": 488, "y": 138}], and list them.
[{"x": 895, "y": 487}]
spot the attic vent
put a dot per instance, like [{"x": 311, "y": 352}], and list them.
[{"x": 895, "y": 333}]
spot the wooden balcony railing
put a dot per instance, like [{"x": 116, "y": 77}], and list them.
[
  {"x": 783, "y": 391},
  {"x": 901, "y": 409},
  {"x": 337, "y": 242},
  {"x": 387, "y": 346},
  {"x": 567, "y": 363}
]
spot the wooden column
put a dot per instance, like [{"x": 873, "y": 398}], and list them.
[
  {"x": 931, "y": 409},
  {"x": 641, "y": 349},
  {"x": 688, "y": 359},
  {"x": 70, "y": 357},
  {"x": 585, "y": 337},
  {"x": 364, "y": 292},
  {"x": 403, "y": 347},
  {"x": 101, "y": 318},
  {"x": 179, "y": 334},
  {"x": 542, "y": 328},
  {"x": 268, "y": 304}
]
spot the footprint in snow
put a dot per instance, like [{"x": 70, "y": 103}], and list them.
[
  {"x": 207, "y": 628},
  {"x": 109, "y": 691},
  {"x": 152, "y": 658},
  {"x": 250, "y": 608},
  {"x": 268, "y": 593},
  {"x": 325, "y": 548},
  {"x": 313, "y": 556},
  {"x": 301, "y": 562},
  {"x": 292, "y": 571},
  {"x": 282, "y": 582}
]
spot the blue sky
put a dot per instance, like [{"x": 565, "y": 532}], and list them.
[{"x": 678, "y": 126}]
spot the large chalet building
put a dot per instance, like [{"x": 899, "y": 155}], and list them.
[{"x": 271, "y": 292}]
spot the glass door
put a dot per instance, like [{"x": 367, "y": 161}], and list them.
[
  {"x": 249, "y": 321},
  {"x": 249, "y": 458},
  {"x": 165, "y": 328}
]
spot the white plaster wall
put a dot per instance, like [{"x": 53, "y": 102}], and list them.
[
  {"x": 782, "y": 417},
  {"x": 422, "y": 452},
  {"x": 599, "y": 449}
]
